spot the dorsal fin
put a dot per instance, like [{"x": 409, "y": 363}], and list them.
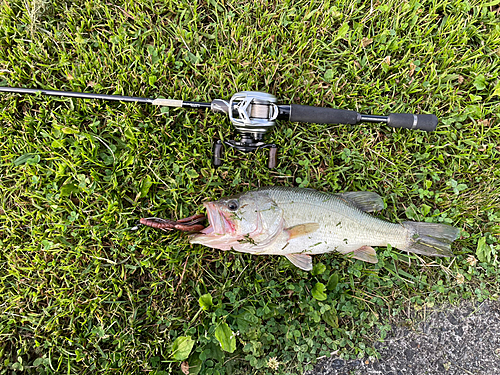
[{"x": 366, "y": 201}]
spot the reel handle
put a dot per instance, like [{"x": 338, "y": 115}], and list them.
[{"x": 218, "y": 151}]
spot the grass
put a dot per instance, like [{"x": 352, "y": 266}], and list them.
[{"x": 81, "y": 293}]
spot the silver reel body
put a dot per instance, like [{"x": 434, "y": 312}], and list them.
[{"x": 253, "y": 114}]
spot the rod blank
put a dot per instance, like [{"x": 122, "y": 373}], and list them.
[{"x": 81, "y": 95}]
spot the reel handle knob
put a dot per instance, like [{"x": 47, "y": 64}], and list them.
[
  {"x": 273, "y": 157},
  {"x": 218, "y": 152}
]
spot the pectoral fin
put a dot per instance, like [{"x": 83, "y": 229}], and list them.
[
  {"x": 303, "y": 261},
  {"x": 366, "y": 254},
  {"x": 302, "y": 230}
]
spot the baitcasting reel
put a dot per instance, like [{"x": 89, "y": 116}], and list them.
[{"x": 253, "y": 114}]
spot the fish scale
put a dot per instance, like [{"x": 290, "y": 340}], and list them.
[{"x": 342, "y": 226}]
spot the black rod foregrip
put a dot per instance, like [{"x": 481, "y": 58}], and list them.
[
  {"x": 411, "y": 121},
  {"x": 319, "y": 115}
]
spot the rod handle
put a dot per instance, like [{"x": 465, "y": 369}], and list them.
[
  {"x": 321, "y": 115},
  {"x": 411, "y": 121}
]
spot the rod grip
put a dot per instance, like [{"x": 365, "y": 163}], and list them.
[
  {"x": 411, "y": 121},
  {"x": 320, "y": 115}
]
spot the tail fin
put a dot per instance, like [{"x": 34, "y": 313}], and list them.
[{"x": 430, "y": 238}]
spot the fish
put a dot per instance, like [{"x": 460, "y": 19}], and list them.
[{"x": 300, "y": 222}]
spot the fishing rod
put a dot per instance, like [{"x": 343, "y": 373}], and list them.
[{"x": 254, "y": 113}]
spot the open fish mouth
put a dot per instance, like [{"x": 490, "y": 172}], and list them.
[{"x": 219, "y": 224}]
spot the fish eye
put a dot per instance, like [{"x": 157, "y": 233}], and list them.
[{"x": 232, "y": 205}]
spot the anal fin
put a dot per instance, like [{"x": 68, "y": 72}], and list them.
[
  {"x": 366, "y": 254},
  {"x": 302, "y": 261}
]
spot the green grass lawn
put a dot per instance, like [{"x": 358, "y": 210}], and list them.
[{"x": 82, "y": 293}]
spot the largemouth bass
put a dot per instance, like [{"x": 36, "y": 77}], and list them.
[{"x": 298, "y": 223}]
